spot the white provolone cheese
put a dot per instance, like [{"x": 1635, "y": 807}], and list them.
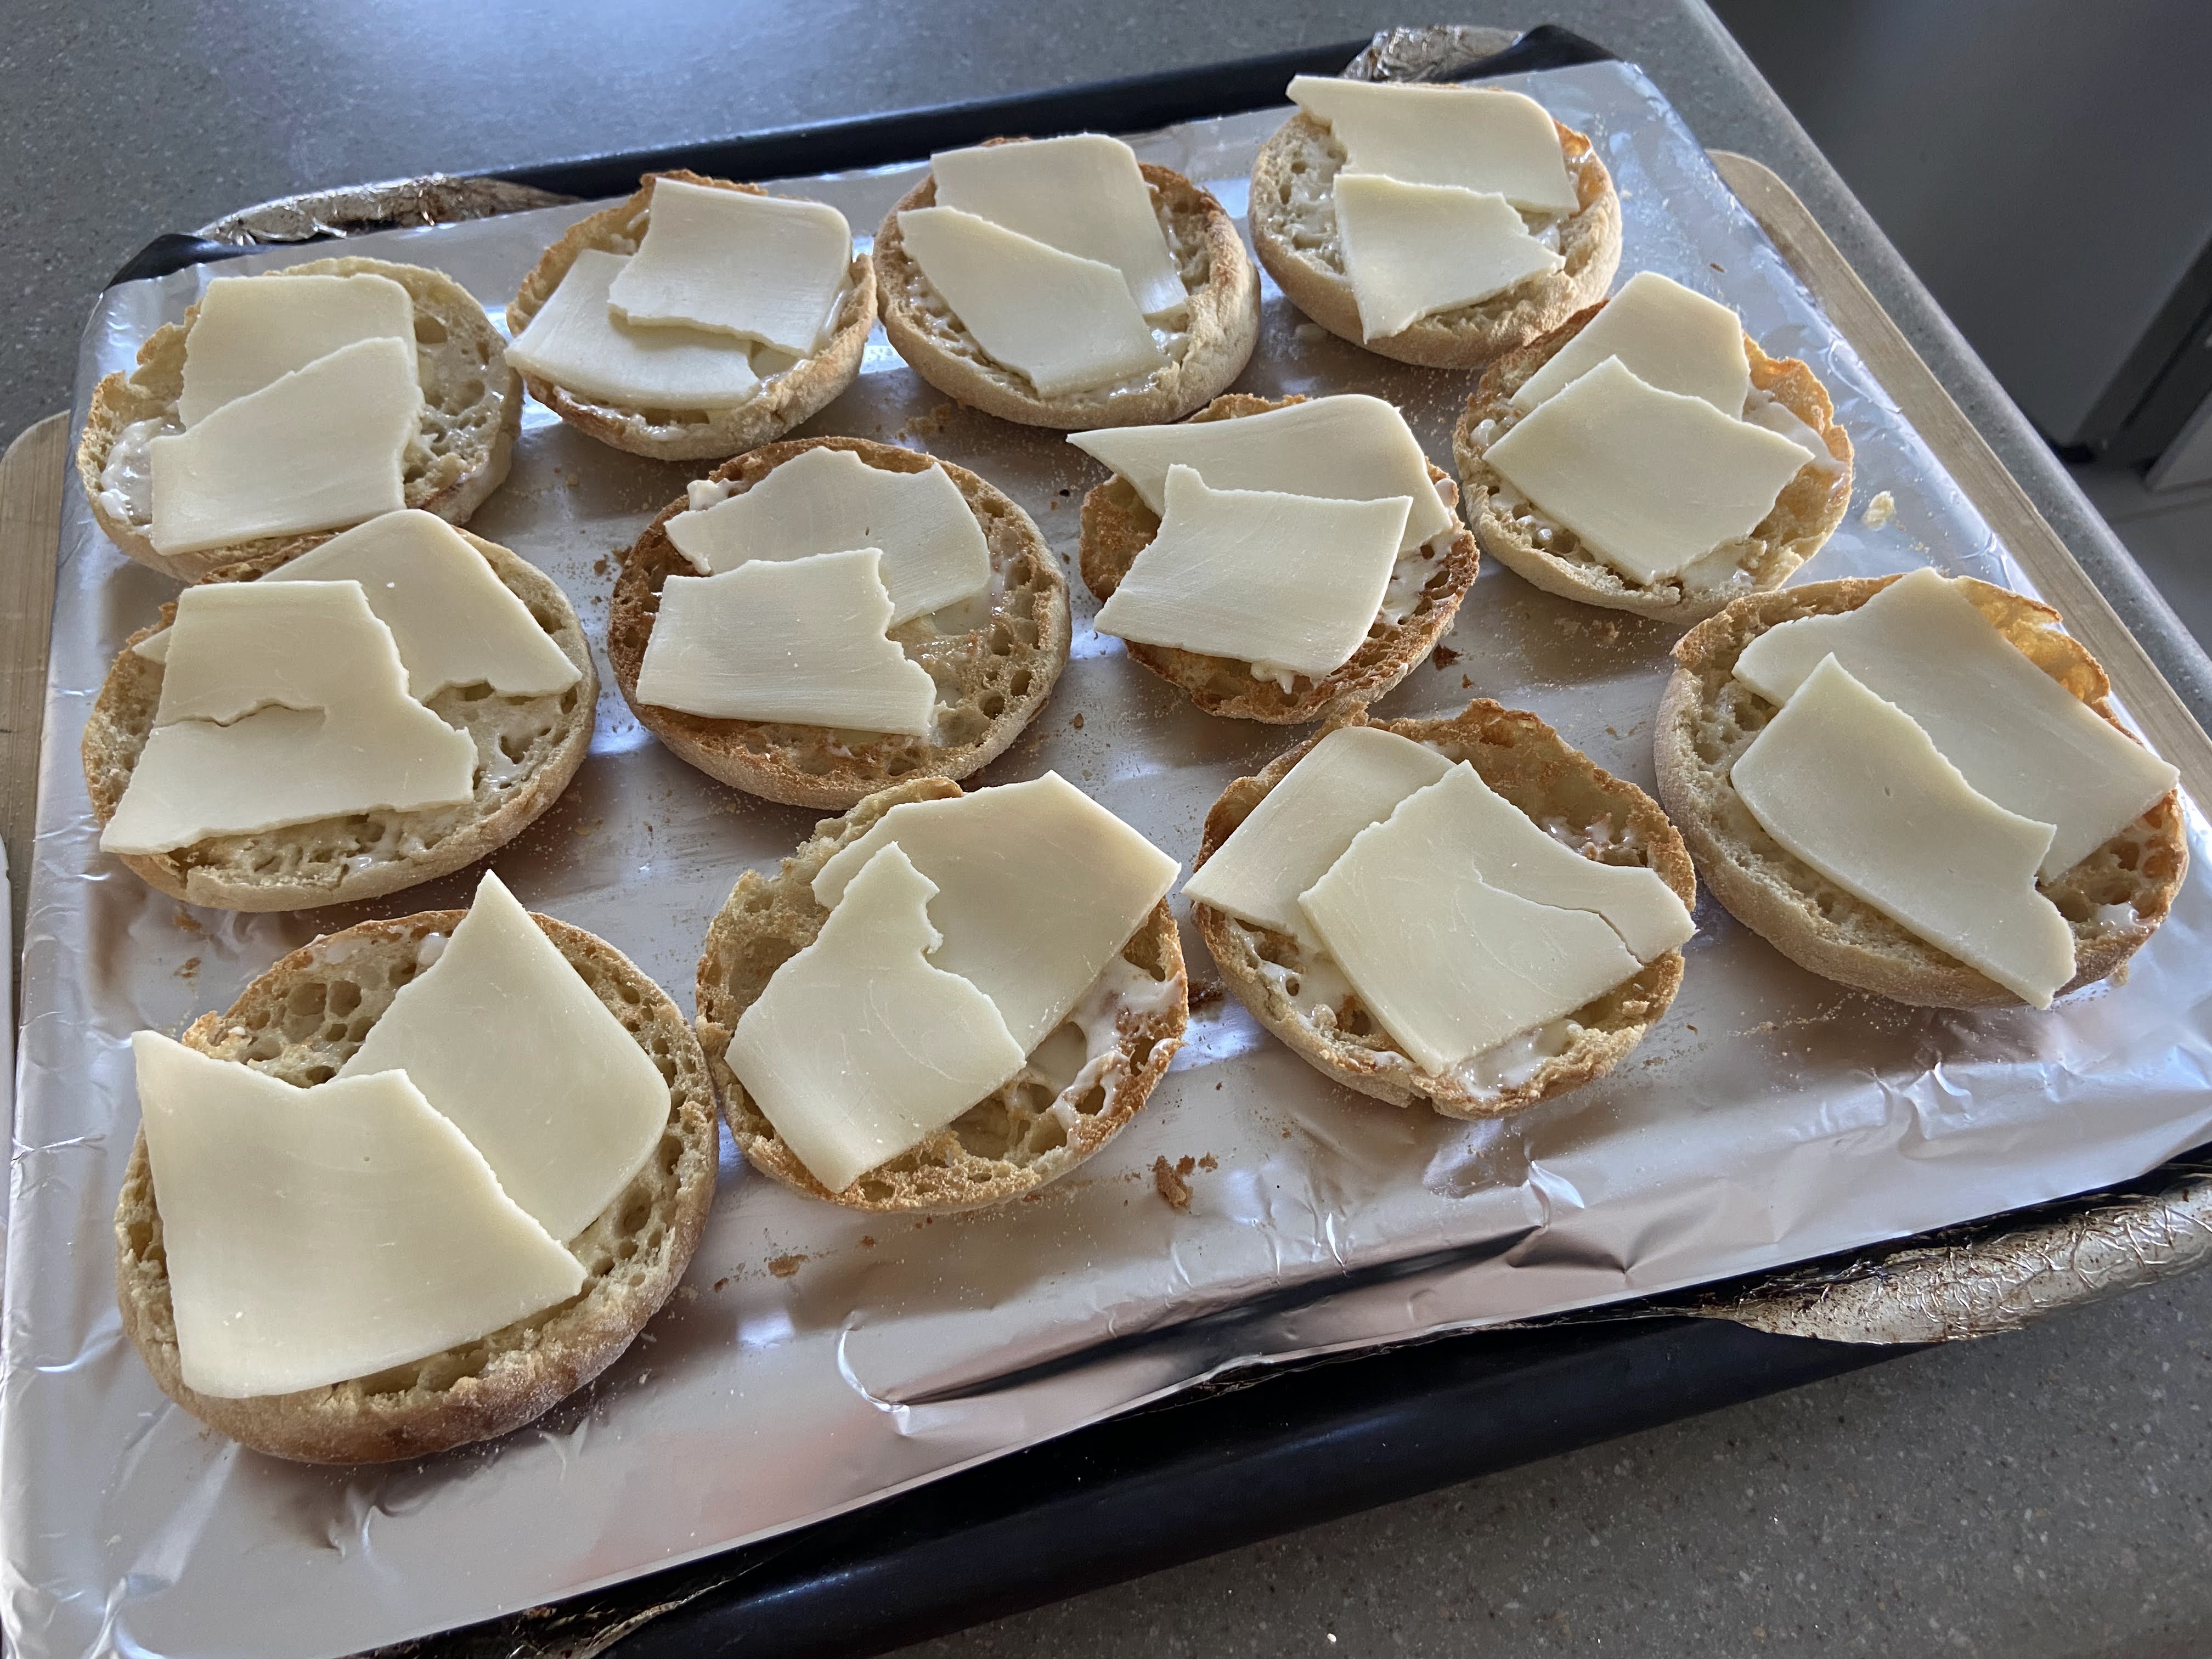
[
  {"x": 1066, "y": 322},
  {"x": 1414, "y": 250},
  {"x": 250, "y": 331},
  {"x": 1780, "y": 419},
  {"x": 797, "y": 640},
  {"x": 503, "y": 1035},
  {"x": 1348, "y": 448},
  {"x": 1291, "y": 581},
  {"x": 1449, "y": 964},
  {"x": 332, "y": 729},
  {"x": 858, "y": 1048},
  {"x": 578, "y": 344},
  {"x": 1039, "y": 887},
  {"x": 315, "y": 1234},
  {"x": 1082, "y": 194},
  {"x": 455, "y": 622},
  {"x": 2017, "y": 735},
  {"x": 830, "y": 501},
  {"x": 314, "y": 449},
  {"x": 1353, "y": 777},
  {"x": 1650, "y": 480},
  {"x": 1476, "y": 138},
  {"x": 1851, "y": 784},
  {"x": 763, "y": 268},
  {"x": 1666, "y": 335}
]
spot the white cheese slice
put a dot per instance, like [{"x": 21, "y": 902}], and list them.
[
  {"x": 858, "y": 1048},
  {"x": 763, "y": 268},
  {"x": 314, "y": 449},
  {"x": 1667, "y": 335},
  {"x": 2017, "y": 735},
  {"x": 1290, "y": 582},
  {"x": 796, "y": 640},
  {"x": 1414, "y": 250},
  {"x": 503, "y": 1036},
  {"x": 1353, "y": 777},
  {"x": 1039, "y": 887},
  {"x": 1851, "y": 784},
  {"x": 1476, "y": 138},
  {"x": 253, "y": 330},
  {"x": 1651, "y": 480},
  {"x": 1066, "y": 322},
  {"x": 320, "y": 721},
  {"x": 830, "y": 501},
  {"x": 1082, "y": 194},
  {"x": 576, "y": 343},
  {"x": 314, "y": 1235},
  {"x": 1779, "y": 418},
  {"x": 455, "y": 622},
  {"x": 1349, "y": 447},
  {"x": 1449, "y": 964}
]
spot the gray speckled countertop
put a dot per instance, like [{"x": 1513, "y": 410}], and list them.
[{"x": 2040, "y": 1495}]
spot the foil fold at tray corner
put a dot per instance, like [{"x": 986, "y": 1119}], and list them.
[{"x": 1429, "y": 51}]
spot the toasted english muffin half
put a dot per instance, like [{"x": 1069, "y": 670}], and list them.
[
  {"x": 1515, "y": 533},
  {"x": 2113, "y": 900},
  {"x": 471, "y": 409},
  {"x": 1204, "y": 355},
  {"x": 302, "y": 1020},
  {"x": 527, "y": 748},
  {"x": 993, "y": 674},
  {"x": 787, "y": 396},
  {"x": 1293, "y": 220},
  {"x": 1034, "y": 1129},
  {"x": 1426, "y": 586},
  {"x": 1565, "y": 792}
]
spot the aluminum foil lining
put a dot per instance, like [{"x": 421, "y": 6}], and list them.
[
  {"x": 816, "y": 1360},
  {"x": 1433, "y": 52},
  {"x": 436, "y": 198}
]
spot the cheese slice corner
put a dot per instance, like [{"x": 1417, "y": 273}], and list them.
[
  {"x": 316, "y": 1235},
  {"x": 250, "y": 331},
  {"x": 800, "y": 640},
  {"x": 1413, "y": 250},
  {"x": 503, "y": 1036},
  {"x": 1667, "y": 335},
  {"x": 578, "y": 344},
  {"x": 1066, "y": 322},
  {"x": 1292, "y": 583},
  {"x": 318, "y": 448},
  {"x": 858, "y": 1047},
  {"x": 757, "y": 267},
  {"x": 1651, "y": 480},
  {"x": 1850, "y": 783}
]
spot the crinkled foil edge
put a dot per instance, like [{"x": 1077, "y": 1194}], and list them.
[{"x": 436, "y": 198}]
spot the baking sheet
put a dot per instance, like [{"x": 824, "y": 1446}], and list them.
[{"x": 814, "y": 1359}]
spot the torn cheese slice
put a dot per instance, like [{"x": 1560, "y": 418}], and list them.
[
  {"x": 2017, "y": 735},
  {"x": 1083, "y": 194},
  {"x": 1666, "y": 335},
  {"x": 796, "y": 640},
  {"x": 1289, "y": 582},
  {"x": 503, "y": 1036},
  {"x": 858, "y": 1048},
  {"x": 249, "y": 330},
  {"x": 330, "y": 731},
  {"x": 1476, "y": 138},
  {"x": 763, "y": 268},
  {"x": 1353, "y": 777},
  {"x": 1066, "y": 322},
  {"x": 830, "y": 501},
  {"x": 581, "y": 346},
  {"x": 1039, "y": 887},
  {"x": 315, "y": 449},
  {"x": 1850, "y": 783},
  {"x": 454, "y": 621},
  {"x": 315, "y": 1234},
  {"x": 1414, "y": 250},
  {"x": 1348, "y": 448},
  {"x": 1651, "y": 480},
  {"x": 1450, "y": 963}
]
